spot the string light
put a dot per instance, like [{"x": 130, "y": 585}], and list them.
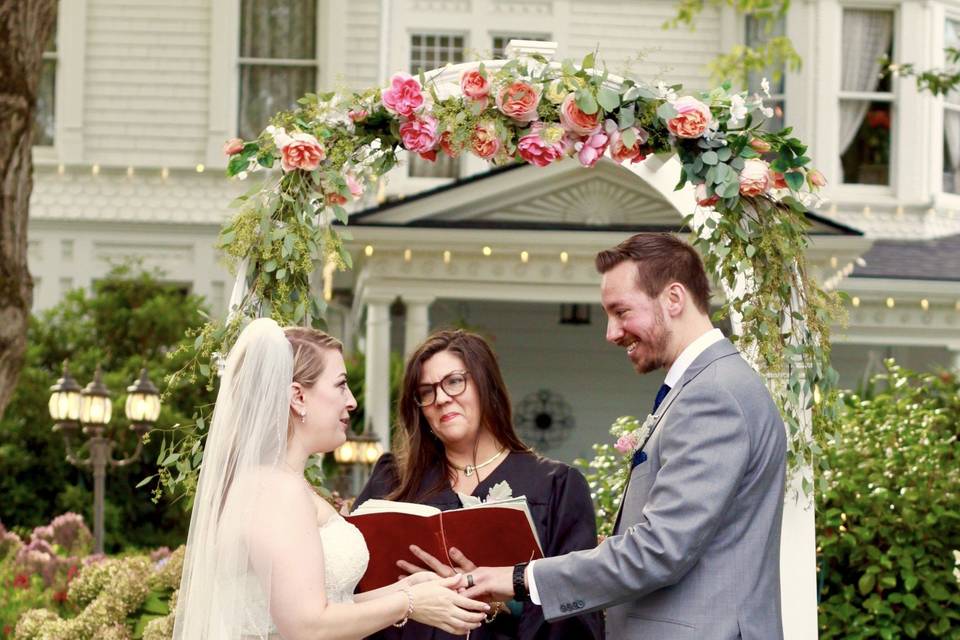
[
  {"x": 524, "y": 257},
  {"x": 564, "y": 257},
  {"x": 925, "y": 304},
  {"x": 200, "y": 168},
  {"x": 95, "y": 169},
  {"x": 446, "y": 257},
  {"x": 328, "y": 270},
  {"x": 368, "y": 250},
  {"x": 61, "y": 169},
  {"x": 833, "y": 262},
  {"x": 165, "y": 173},
  {"x": 129, "y": 172},
  {"x": 487, "y": 251},
  {"x": 900, "y": 211},
  {"x": 891, "y": 303},
  {"x": 867, "y": 212},
  {"x": 957, "y": 306},
  {"x": 407, "y": 255},
  {"x": 856, "y": 301}
]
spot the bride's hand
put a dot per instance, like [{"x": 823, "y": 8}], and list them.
[
  {"x": 463, "y": 564},
  {"x": 419, "y": 577},
  {"x": 438, "y": 604}
]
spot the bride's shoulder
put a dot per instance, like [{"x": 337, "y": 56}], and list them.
[{"x": 272, "y": 485}]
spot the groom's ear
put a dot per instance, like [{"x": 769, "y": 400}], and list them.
[{"x": 674, "y": 298}]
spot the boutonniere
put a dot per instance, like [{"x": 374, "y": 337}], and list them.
[
  {"x": 631, "y": 434},
  {"x": 500, "y": 491}
]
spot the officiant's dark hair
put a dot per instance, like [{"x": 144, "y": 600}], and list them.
[
  {"x": 417, "y": 450},
  {"x": 661, "y": 258}
]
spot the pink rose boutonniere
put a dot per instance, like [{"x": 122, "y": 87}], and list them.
[
  {"x": 631, "y": 434},
  {"x": 404, "y": 96},
  {"x": 300, "y": 151},
  {"x": 692, "y": 119},
  {"x": 519, "y": 101}
]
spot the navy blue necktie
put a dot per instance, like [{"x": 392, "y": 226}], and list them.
[{"x": 640, "y": 456}]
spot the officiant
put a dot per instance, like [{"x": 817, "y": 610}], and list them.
[{"x": 454, "y": 446}]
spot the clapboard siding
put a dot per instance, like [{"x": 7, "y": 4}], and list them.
[
  {"x": 362, "y": 55},
  {"x": 146, "y": 98}
]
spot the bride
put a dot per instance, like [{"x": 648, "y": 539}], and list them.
[{"x": 266, "y": 557}]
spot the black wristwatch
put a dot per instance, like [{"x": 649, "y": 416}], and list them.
[{"x": 520, "y": 593}]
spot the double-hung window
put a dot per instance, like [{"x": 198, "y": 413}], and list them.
[
  {"x": 866, "y": 97},
  {"x": 278, "y": 59},
  {"x": 758, "y": 33},
  {"x": 44, "y": 121},
  {"x": 501, "y": 40},
  {"x": 430, "y": 51},
  {"x": 951, "y": 120}
]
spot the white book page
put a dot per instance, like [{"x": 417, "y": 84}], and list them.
[{"x": 390, "y": 506}]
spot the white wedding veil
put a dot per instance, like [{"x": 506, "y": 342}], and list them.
[{"x": 220, "y": 598}]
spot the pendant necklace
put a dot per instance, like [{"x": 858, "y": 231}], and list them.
[{"x": 471, "y": 469}]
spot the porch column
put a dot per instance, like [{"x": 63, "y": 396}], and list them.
[
  {"x": 377, "y": 370},
  {"x": 798, "y": 563},
  {"x": 418, "y": 323}
]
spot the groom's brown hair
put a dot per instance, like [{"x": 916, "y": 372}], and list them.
[{"x": 661, "y": 258}]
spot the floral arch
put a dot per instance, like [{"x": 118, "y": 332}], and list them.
[{"x": 750, "y": 190}]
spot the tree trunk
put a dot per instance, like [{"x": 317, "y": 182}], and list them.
[{"x": 25, "y": 27}]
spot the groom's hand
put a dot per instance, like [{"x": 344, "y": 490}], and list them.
[
  {"x": 490, "y": 582},
  {"x": 463, "y": 564}
]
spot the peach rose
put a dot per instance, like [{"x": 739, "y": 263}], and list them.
[
  {"x": 693, "y": 118},
  {"x": 535, "y": 150},
  {"x": 420, "y": 135},
  {"x": 777, "y": 180},
  {"x": 619, "y": 151},
  {"x": 760, "y": 146},
  {"x": 754, "y": 178},
  {"x": 702, "y": 198},
  {"x": 232, "y": 147},
  {"x": 404, "y": 95},
  {"x": 485, "y": 143},
  {"x": 816, "y": 179},
  {"x": 301, "y": 151},
  {"x": 576, "y": 121},
  {"x": 519, "y": 101},
  {"x": 474, "y": 85}
]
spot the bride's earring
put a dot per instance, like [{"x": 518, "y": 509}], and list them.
[{"x": 303, "y": 417}]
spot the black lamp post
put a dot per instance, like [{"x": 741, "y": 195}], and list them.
[{"x": 72, "y": 408}]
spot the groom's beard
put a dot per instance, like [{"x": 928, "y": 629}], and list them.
[{"x": 651, "y": 354}]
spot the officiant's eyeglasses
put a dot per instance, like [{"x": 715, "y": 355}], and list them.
[{"x": 453, "y": 384}]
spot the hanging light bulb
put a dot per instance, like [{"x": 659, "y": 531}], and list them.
[
  {"x": 524, "y": 257},
  {"x": 564, "y": 257},
  {"x": 925, "y": 304},
  {"x": 95, "y": 169},
  {"x": 487, "y": 251},
  {"x": 368, "y": 250},
  {"x": 855, "y": 301},
  {"x": 891, "y": 303},
  {"x": 446, "y": 257},
  {"x": 407, "y": 255}
]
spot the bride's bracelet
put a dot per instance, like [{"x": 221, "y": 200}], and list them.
[
  {"x": 409, "y": 612},
  {"x": 495, "y": 609}
]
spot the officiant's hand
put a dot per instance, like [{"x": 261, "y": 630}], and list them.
[
  {"x": 490, "y": 582},
  {"x": 463, "y": 564}
]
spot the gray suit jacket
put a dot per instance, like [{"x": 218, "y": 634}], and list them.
[{"x": 696, "y": 551}]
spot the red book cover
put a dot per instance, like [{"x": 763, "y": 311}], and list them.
[{"x": 492, "y": 535}]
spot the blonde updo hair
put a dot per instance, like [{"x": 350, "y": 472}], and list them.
[{"x": 309, "y": 352}]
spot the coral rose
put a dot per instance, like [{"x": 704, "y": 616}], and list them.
[
  {"x": 754, "y": 178},
  {"x": 301, "y": 151},
  {"x": 474, "y": 85},
  {"x": 703, "y": 199},
  {"x": 519, "y": 101},
  {"x": 535, "y": 150},
  {"x": 618, "y": 149},
  {"x": 778, "y": 181},
  {"x": 485, "y": 142},
  {"x": 420, "y": 135},
  {"x": 576, "y": 121},
  {"x": 404, "y": 96},
  {"x": 232, "y": 147},
  {"x": 693, "y": 118}
]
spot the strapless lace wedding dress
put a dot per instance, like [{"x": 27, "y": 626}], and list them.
[{"x": 345, "y": 559}]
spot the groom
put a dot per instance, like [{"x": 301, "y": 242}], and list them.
[{"x": 696, "y": 548}]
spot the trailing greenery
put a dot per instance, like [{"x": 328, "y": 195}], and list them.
[
  {"x": 129, "y": 320},
  {"x": 938, "y": 82},
  {"x": 888, "y": 519}
]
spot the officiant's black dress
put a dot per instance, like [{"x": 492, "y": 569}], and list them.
[{"x": 559, "y": 500}]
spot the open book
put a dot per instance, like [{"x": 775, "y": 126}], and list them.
[{"x": 491, "y": 534}]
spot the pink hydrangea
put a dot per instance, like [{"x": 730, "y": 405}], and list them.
[
  {"x": 404, "y": 96},
  {"x": 692, "y": 119},
  {"x": 420, "y": 134},
  {"x": 535, "y": 150}
]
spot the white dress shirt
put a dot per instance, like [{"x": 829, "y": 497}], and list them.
[{"x": 676, "y": 371}]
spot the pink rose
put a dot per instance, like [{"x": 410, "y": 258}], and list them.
[
  {"x": 420, "y": 135},
  {"x": 358, "y": 115},
  {"x": 576, "y": 121},
  {"x": 485, "y": 142},
  {"x": 519, "y": 101},
  {"x": 404, "y": 95},
  {"x": 538, "y": 151},
  {"x": 446, "y": 143},
  {"x": 301, "y": 151},
  {"x": 474, "y": 85},
  {"x": 816, "y": 179},
  {"x": 754, "y": 178},
  {"x": 760, "y": 146},
  {"x": 702, "y": 198},
  {"x": 592, "y": 149},
  {"x": 626, "y": 443},
  {"x": 693, "y": 118},
  {"x": 619, "y": 151},
  {"x": 355, "y": 186},
  {"x": 232, "y": 147}
]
